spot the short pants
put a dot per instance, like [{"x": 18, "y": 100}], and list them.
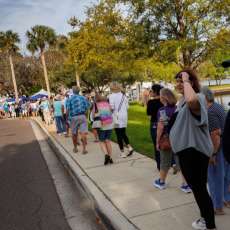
[
  {"x": 166, "y": 160},
  {"x": 104, "y": 134},
  {"x": 80, "y": 123}
]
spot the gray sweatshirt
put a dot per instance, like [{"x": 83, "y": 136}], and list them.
[{"x": 190, "y": 132}]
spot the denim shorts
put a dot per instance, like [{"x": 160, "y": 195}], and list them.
[{"x": 104, "y": 134}]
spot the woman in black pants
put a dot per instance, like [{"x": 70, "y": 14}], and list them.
[
  {"x": 153, "y": 105},
  {"x": 190, "y": 140},
  {"x": 119, "y": 104}
]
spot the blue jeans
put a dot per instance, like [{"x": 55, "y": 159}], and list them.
[
  {"x": 216, "y": 181},
  {"x": 60, "y": 124},
  {"x": 227, "y": 182}
]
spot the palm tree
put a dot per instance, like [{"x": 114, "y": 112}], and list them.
[
  {"x": 39, "y": 39},
  {"x": 8, "y": 41},
  {"x": 74, "y": 22}
]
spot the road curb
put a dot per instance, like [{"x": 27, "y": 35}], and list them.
[{"x": 111, "y": 217}]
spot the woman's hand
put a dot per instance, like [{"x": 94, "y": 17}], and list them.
[
  {"x": 190, "y": 95},
  {"x": 185, "y": 77},
  {"x": 213, "y": 160}
]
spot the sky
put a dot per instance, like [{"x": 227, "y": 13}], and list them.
[{"x": 21, "y": 15}]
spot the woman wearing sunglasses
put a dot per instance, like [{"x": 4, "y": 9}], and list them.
[{"x": 190, "y": 140}]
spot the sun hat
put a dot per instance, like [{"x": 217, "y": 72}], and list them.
[
  {"x": 115, "y": 87},
  {"x": 57, "y": 97}
]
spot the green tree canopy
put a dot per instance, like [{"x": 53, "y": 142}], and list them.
[
  {"x": 184, "y": 29},
  {"x": 99, "y": 47}
]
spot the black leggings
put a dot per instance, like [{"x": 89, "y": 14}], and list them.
[
  {"x": 121, "y": 136},
  {"x": 194, "y": 167}
]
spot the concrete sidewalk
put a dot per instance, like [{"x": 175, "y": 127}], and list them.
[{"x": 127, "y": 186}]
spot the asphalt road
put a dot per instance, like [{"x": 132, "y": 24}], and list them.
[{"x": 28, "y": 198}]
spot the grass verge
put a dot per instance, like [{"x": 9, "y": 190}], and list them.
[{"x": 138, "y": 130}]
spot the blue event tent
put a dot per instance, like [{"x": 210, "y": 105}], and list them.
[
  {"x": 40, "y": 94},
  {"x": 12, "y": 100}
]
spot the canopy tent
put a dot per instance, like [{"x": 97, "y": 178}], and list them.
[
  {"x": 12, "y": 100},
  {"x": 40, "y": 94}
]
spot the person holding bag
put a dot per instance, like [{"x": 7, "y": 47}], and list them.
[
  {"x": 191, "y": 141},
  {"x": 164, "y": 116},
  {"x": 119, "y": 104}
]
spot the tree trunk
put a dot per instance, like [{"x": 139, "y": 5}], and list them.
[
  {"x": 77, "y": 79},
  {"x": 14, "y": 79},
  {"x": 45, "y": 73}
]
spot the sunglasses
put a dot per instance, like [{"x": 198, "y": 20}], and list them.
[{"x": 179, "y": 76}]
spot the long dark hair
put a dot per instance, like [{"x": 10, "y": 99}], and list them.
[{"x": 192, "y": 77}]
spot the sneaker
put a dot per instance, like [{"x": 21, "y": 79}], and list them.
[
  {"x": 159, "y": 184},
  {"x": 123, "y": 155},
  {"x": 185, "y": 188},
  {"x": 199, "y": 224},
  {"x": 107, "y": 159},
  {"x": 130, "y": 152},
  {"x": 111, "y": 160}
]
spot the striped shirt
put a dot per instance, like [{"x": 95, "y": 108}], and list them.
[
  {"x": 216, "y": 117},
  {"x": 105, "y": 114}
]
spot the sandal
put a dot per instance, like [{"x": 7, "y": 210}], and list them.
[
  {"x": 75, "y": 150},
  {"x": 84, "y": 152},
  {"x": 227, "y": 204},
  {"x": 219, "y": 212}
]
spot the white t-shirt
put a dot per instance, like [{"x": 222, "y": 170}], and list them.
[{"x": 114, "y": 101}]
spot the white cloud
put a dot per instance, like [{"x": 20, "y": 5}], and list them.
[{"x": 21, "y": 15}]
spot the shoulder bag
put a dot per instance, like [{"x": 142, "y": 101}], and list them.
[{"x": 116, "y": 114}]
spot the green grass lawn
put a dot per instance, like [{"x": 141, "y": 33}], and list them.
[{"x": 138, "y": 130}]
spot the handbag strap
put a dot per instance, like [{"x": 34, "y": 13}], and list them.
[
  {"x": 95, "y": 107},
  {"x": 122, "y": 99}
]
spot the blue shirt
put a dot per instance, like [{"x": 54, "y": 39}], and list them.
[
  {"x": 45, "y": 105},
  {"x": 57, "y": 108},
  {"x": 77, "y": 105}
]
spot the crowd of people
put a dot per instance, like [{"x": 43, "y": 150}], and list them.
[
  {"x": 189, "y": 133},
  {"x": 24, "y": 108},
  {"x": 192, "y": 134}
]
